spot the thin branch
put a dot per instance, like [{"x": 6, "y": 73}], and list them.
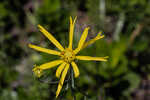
[
  {"x": 119, "y": 26},
  {"x": 102, "y": 10},
  {"x": 136, "y": 32}
]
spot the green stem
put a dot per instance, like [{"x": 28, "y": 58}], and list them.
[
  {"x": 72, "y": 78},
  {"x": 72, "y": 84},
  {"x": 119, "y": 26},
  {"x": 84, "y": 97},
  {"x": 102, "y": 9}
]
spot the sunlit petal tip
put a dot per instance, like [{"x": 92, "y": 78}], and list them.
[
  {"x": 29, "y": 45},
  {"x": 102, "y": 36},
  {"x": 58, "y": 90},
  {"x": 105, "y": 60},
  {"x": 87, "y": 28},
  {"x": 106, "y": 57},
  {"x": 75, "y": 20},
  {"x": 99, "y": 35},
  {"x": 75, "y": 69},
  {"x": 56, "y": 95},
  {"x": 77, "y": 75},
  {"x": 39, "y": 26}
]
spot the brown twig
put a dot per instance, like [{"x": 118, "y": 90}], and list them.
[{"x": 136, "y": 32}]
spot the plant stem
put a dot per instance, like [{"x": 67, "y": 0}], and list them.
[
  {"x": 102, "y": 9},
  {"x": 119, "y": 26},
  {"x": 72, "y": 78},
  {"x": 72, "y": 84}
]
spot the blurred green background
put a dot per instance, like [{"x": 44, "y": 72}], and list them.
[{"x": 125, "y": 24}]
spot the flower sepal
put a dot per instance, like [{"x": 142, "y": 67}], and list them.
[{"x": 38, "y": 72}]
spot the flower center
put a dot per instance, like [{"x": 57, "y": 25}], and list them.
[{"x": 68, "y": 55}]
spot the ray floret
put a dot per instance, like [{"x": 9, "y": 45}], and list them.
[
  {"x": 49, "y": 51},
  {"x": 51, "y": 38}
]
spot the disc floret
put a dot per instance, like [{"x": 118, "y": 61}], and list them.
[{"x": 68, "y": 55}]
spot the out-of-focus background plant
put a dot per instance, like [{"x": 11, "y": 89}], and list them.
[{"x": 125, "y": 24}]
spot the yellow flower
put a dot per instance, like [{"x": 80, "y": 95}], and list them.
[{"x": 67, "y": 55}]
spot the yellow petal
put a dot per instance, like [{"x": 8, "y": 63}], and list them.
[
  {"x": 71, "y": 32},
  {"x": 99, "y": 36},
  {"x": 49, "y": 51},
  {"x": 82, "y": 40},
  {"x": 50, "y": 64},
  {"x": 75, "y": 69},
  {"x": 92, "y": 58},
  {"x": 62, "y": 80},
  {"x": 60, "y": 69},
  {"x": 51, "y": 38}
]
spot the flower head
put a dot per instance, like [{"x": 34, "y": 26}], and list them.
[{"x": 67, "y": 55}]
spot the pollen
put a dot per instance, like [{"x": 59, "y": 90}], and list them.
[{"x": 68, "y": 55}]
